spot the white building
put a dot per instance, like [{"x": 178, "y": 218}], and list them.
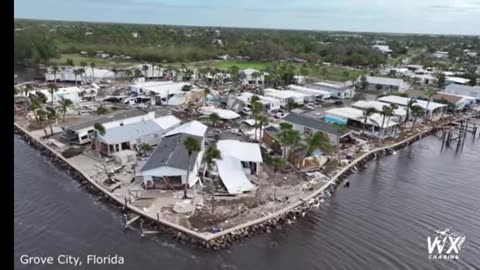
[
  {"x": 456, "y": 80},
  {"x": 431, "y": 109},
  {"x": 386, "y": 84},
  {"x": 128, "y": 137},
  {"x": 383, "y": 48},
  {"x": 399, "y": 113},
  {"x": 337, "y": 90},
  {"x": 238, "y": 160},
  {"x": 162, "y": 89},
  {"x": 169, "y": 165},
  {"x": 354, "y": 118},
  {"x": 285, "y": 96},
  {"x": 244, "y": 100},
  {"x": 81, "y": 132},
  {"x": 66, "y": 74},
  {"x": 463, "y": 90},
  {"x": 314, "y": 94},
  {"x": 72, "y": 93},
  {"x": 247, "y": 77}
]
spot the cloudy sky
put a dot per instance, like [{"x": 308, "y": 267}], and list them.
[{"x": 407, "y": 16}]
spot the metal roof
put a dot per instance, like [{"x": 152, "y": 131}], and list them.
[
  {"x": 171, "y": 152},
  {"x": 105, "y": 119},
  {"x": 130, "y": 132},
  {"x": 384, "y": 81},
  {"x": 313, "y": 124}
]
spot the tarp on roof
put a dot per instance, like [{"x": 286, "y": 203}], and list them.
[
  {"x": 232, "y": 175},
  {"x": 243, "y": 151}
]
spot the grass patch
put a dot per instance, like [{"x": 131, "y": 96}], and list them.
[{"x": 338, "y": 74}]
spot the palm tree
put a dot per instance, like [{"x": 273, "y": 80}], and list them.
[
  {"x": 128, "y": 74},
  {"x": 412, "y": 102},
  {"x": 42, "y": 118},
  {"x": 387, "y": 111},
  {"x": 65, "y": 103},
  {"x": 429, "y": 92},
  {"x": 277, "y": 164},
  {"x": 367, "y": 113},
  {"x": 81, "y": 72},
  {"x": 261, "y": 121},
  {"x": 192, "y": 145},
  {"x": 211, "y": 155},
  {"x": 145, "y": 148},
  {"x": 145, "y": 69},
  {"x": 214, "y": 118},
  {"x": 55, "y": 70},
  {"x": 27, "y": 89},
  {"x": 313, "y": 143},
  {"x": 257, "y": 108},
  {"x": 234, "y": 74},
  {"x": 76, "y": 72},
  {"x": 51, "y": 116},
  {"x": 153, "y": 69},
  {"x": 34, "y": 107},
  {"x": 98, "y": 129},
  {"x": 417, "y": 111},
  {"x": 288, "y": 137},
  {"x": 137, "y": 73},
  {"x": 92, "y": 66},
  {"x": 52, "y": 88},
  {"x": 255, "y": 76}
]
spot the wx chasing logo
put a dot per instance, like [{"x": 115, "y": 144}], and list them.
[{"x": 446, "y": 245}]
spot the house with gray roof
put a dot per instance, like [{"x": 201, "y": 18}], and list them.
[
  {"x": 168, "y": 166},
  {"x": 81, "y": 132},
  {"x": 307, "y": 125},
  {"x": 129, "y": 137}
]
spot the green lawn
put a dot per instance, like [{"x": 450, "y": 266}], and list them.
[{"x": 339, "y": 74}]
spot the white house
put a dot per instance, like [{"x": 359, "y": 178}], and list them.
[
  {"x": 247, "y": 77},
  {"x": 285, "y": 96},
  {"x": 431, "y": 109},
  {"x": 469, "y": 91},
  {"x": 386, "y": 84},
  {"x": 383, "y": 48},
  {"x": 398, "y": 114},
  {"x": 456, "y": 80},
  {"x": 66, "y": 74},
  {"x": 81, "y": 132},
  {"x": 73, "y": 93},
  {"x": 244, "y": 100},
  {"x": 354, "y": 118},
  {"x": 128, "y": 137},
  {"x": 238, "y": 160},
  {"x": 168, "y": 166},
  {"x": 337, "y": 90},
  {"x": 314, "y": 94}
]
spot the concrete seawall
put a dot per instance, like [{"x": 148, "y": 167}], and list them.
[{"x": 225, "y": 238}]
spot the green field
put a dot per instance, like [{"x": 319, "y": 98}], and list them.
[{"x": 339, "y": 74}]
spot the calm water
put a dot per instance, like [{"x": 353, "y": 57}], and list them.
[{"x": 380, "y": 222}]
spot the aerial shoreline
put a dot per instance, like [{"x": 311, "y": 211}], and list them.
[{"x": 223, "y": 239}]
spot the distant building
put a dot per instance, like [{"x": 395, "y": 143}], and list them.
[
  {"x": 383, "y": 48},
  {"x": 440, "y": 55},
  {"x": 314, "y": 94},
  {"x": 248, "y": 77},
  {"x": 337, "y": 90},
  {"x": 463, "y": 90},
  {"x": 456, "y": 80},
  {"x": 382, "y": 84},
  {"x": 66, "y": 74},
  {"x": 286, "y": 96}
]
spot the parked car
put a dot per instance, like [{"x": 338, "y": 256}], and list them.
[
  {"x": 280, "y": 115},
  {"x": 338, "y": 102},
  {"x": 246, "y": 111},
  {"x": 310, "y": 106}
]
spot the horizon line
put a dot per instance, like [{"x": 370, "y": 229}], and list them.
[{"x": 249, "y": 28}]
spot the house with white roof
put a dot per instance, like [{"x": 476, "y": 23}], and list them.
[
  {"x": 463, "y": 90},
  {"x": 431, "y": 108},
  {"x": 239, "y": 159},
  {"x": 376, "y": 125},
  {"x": 314, "y": 94},
  {"x": 286, "y": 96},
  {"x": 456, "y": 80},
  {"x": 385, "y": 84},
  {"x": 129, "y": 137},
  {"x": 398, "y": 114},
  {"x": 383, "y": 48},
  {"x": 66, "y": 74},
  {"x": 244, "y": 100},
  {"x": 169, "y": 165},
  {"x": 73, "y": 93},
  {"x": 82, "y": 131},
  {"x": 344, "y": 90},
  {"x": 247, "y": 77}
]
